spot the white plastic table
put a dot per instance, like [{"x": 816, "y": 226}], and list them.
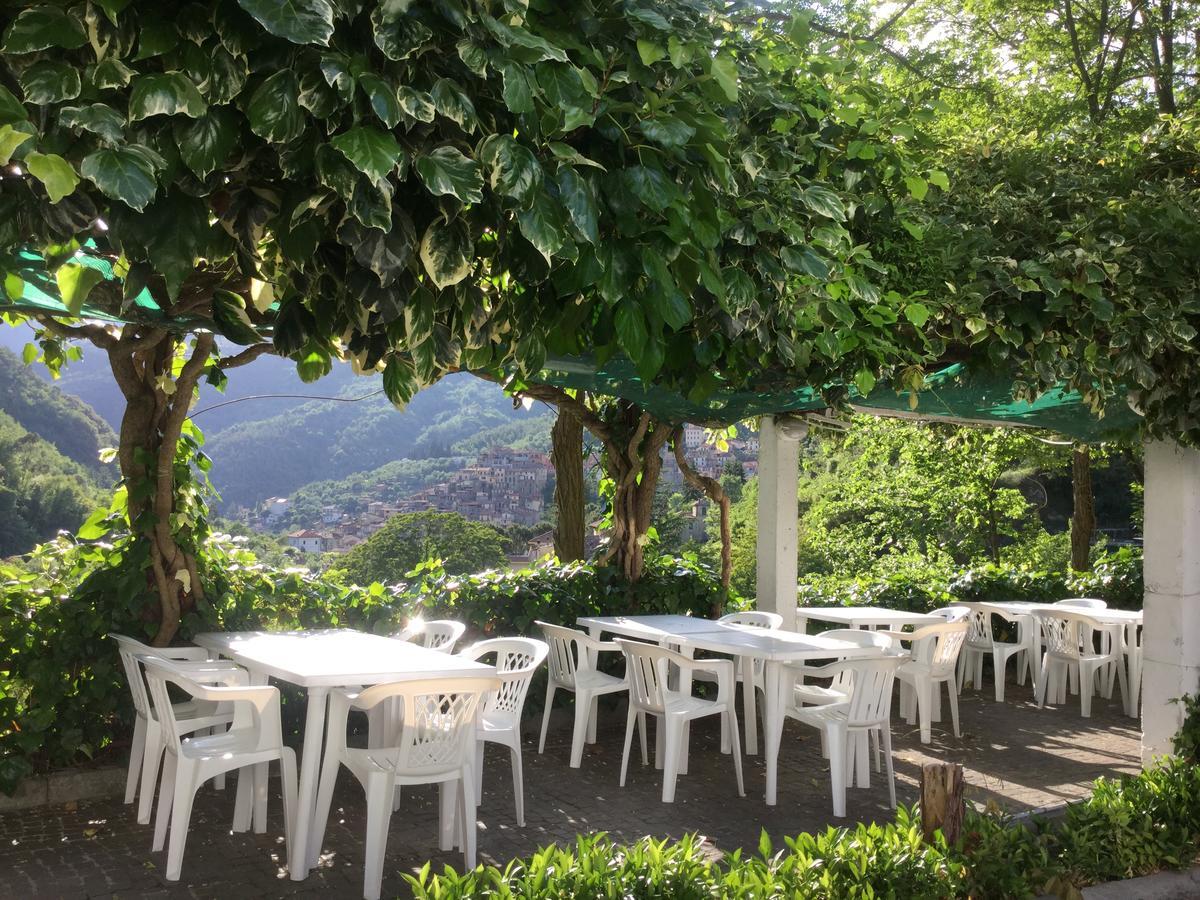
[
  {"x": 318, "y": 661},
  {"x": 775, "y": 648},
  {"x": 863, "y": 617},
  {"x": 1123, "y": 622}
]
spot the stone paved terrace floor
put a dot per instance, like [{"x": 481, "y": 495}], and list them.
[{"x": 1014, "y": 754}]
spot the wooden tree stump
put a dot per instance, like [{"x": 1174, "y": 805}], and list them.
[{"x": 941, "y": 800}]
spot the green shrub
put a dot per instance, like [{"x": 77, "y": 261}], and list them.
[
  {"x": 63, "y": 696},
  {"x": 865, "y": 861},
  {"x": 1130, "y": 826},
  {"x": 906, "y": 583},
  {"x": 1133, "y": 825},
  {"x": 508, "y": 602}
]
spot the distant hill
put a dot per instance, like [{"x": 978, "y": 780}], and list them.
[
  {"x": 40, "y": 407},
  {"x": 400, "y": 478},
  {"x": 41, "y": 490},
  {"x": 272, "y": 446},
  {"x": 322, "y": 441}
]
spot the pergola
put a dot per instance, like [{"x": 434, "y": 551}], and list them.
[
  {"x": 1171, "y": 561},
  {"x": 1171, "y": 633}
]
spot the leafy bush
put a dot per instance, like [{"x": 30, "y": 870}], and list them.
[
  {"x": 63, "y": 696},
  {"x": 510, "y": 602},
  {"x": 906, "y": 583},
  {"x": 1130, "y": 826},
  {"x": 407, "y": 539},
  {"x": 866, "y": 861}
]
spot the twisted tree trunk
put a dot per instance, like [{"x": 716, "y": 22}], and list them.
[
  {"x": 157, "y": 400},
  {"x": 715, "y": 492},
  {"x": 1083, "y": 517},
  {"x": 566, "y": 452},
  {"x": 634, "y": 466}
]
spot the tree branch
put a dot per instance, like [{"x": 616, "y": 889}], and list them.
[
  {"x": 96, "y": 334},
  {"x": 251, "y": 353}
]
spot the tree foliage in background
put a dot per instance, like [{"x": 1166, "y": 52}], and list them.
[
  {"x": 930, "y": 491},
  {"x": 407, "y": 539}
]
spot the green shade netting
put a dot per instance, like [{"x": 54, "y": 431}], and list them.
[
  {"x": 952, "y": 393},
  {"x": 40, "y": 295}
]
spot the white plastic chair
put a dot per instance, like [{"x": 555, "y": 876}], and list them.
[
  {"x": 838, "y": 690},
  {"x": 572, "y": 660},
  {"x": 149, "y": 742},
  {"x": 648, "y": 667},
  {"x": 499, "y": 719},
  {"x": 1083, "y": 603},
  {"x": 254, "y": 740},
  {"x": 433, "y": 744},
  {"x": 1066, "y": 653},
  {"x": 1085, "y": 633},
  {"x": 750, "y": 618},
  {"x": 845, "y": 725},
  {"x": 435, "y": 634},
  {"x": 955, "y": 613},
  {"x": 981, "y": 641},
  {"x": 934, "y": 658}
]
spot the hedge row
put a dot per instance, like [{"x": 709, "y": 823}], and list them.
[{"x": 1129, "y": 826}]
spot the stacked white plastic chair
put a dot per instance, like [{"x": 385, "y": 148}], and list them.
[
  {"x": 1070, "y": 654},
  {"x": 149, "y": 739},
  {"x": 648, "y": 667},
  {"x": 499, "y": 719},
  {"x": 572, "y": 667},
  {"x": 434, "y": 743},
  {"x": 933, "y": 660},
  {"x": 846, "y": 724},
  {"x": 254, "y": 739},
  {"x": 981, "y": 641}
]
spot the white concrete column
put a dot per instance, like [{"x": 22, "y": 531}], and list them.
[
  {"x": 1171, "y": 634},
  {"x": 778, "y": 511}
]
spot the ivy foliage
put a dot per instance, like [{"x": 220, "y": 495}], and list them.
[{"x": 436, "y": 185}]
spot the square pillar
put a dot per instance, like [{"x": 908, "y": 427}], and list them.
[
  {"x": 1171, "y": 567},
  {"x": 778, "y": 512}
]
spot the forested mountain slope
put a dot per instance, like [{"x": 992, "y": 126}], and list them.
[
  {"x": 40, "y": 407},
  {"x": 41, "y": 490},
  {"x": 265, "y": 446}
]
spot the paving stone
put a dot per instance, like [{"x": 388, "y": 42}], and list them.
[{"x": 1015, "y": 757}]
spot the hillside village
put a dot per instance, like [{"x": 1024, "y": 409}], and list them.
[{"x": 504, "y": 487}]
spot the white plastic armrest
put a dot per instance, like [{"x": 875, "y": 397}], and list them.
[
  {"x": 183, "y": 653},
  {"x": 829, "y": 670},
  {"x": 592, "y": 643},
  {"x": 260, "y": 695},
  {"x": 224, "y": 676},
  {"x": 904, "y": 635}
]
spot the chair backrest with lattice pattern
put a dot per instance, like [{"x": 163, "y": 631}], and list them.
[
  {"x": 516, "y": 660},
  {"x": 1060, "y": 632},
  {"x": 936, "y": 647},
  {"x": 435, "y": 634},
  {"x": 979, "y": 625},
  {"x": 437, "y": 729}
]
